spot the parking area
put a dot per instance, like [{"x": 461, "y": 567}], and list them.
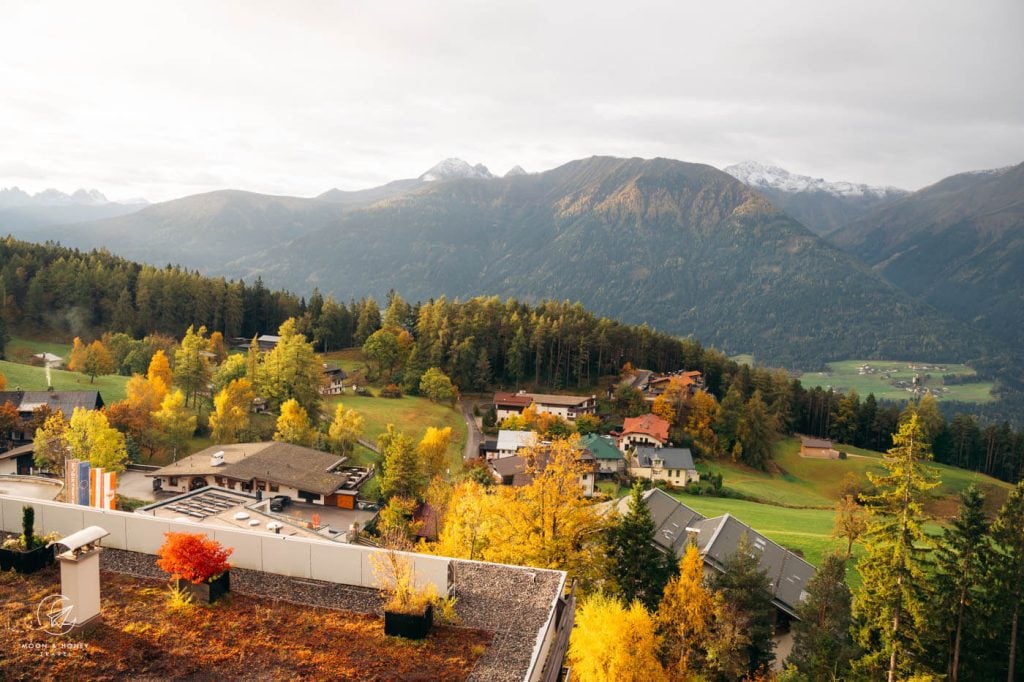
[{"x": 135, "y": 484}]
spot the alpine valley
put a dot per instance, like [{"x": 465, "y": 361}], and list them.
[{"x": 684, "y": 247}]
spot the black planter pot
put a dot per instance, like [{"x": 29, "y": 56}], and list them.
[
  {"x": 26, "y": 562},
  {"x": 409, "y": 626},
  {"x": 209, "y": 591}
]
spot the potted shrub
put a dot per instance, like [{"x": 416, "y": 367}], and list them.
[
  {"x": 28, "y": 552},
  {"x": 408, "y": 609},
  {"x": 197, "y": 564}
]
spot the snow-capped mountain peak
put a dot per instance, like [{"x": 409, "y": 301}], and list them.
[
  {"x": 452, "y": 168},
  {"x": 765, "y": 176},
  {"x": 52, "y": 197}
]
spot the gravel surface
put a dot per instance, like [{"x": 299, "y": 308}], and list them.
[{"x": 512, "y": 602}]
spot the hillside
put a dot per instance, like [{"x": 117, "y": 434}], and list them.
[
  {"x": 682, "y": 247},
  {"x": 958, "y": 245}
]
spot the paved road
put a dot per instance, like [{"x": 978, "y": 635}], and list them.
[{"x": 473, "y": 436}]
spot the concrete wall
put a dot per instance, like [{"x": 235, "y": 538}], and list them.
[{"x": 291, "y": 556}]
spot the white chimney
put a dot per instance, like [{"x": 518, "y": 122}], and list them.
[{"x": 217, "y": 459}]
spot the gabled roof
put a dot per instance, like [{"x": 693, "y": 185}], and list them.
[
  {"x": 602, "y": 447},
  {"x": 719, "y": 537},
  {"x": 505, "y": 399},
  {"x": 65, "y": 401},
  {"x": 513, "y": 440},
  {"x": 672, "y": 458},
  {"x": 27, "y": 449},
  {"x": 559, "y": 400},
  {"x": 291, "y": 465},
  {"x": 648, "y": 424},
  {"x": 815, "y": 442}
]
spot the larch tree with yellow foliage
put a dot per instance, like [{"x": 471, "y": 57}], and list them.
[
  {"x": 231, "y": 409},
  {"x": 613, "y": 642},
  {"x": 160, "y": 368},
  {"x": 92, "y": 360},
  {"x": 90, "y": 437},
  {"x": 293, "y": 425},
  {"x": 686, "y": 618},
  {"x": 433, "y": 450},
  {"x": 345, "y": 430},
  {"x": 703, "y": 414},
  {"x": 175, "y": 421}
]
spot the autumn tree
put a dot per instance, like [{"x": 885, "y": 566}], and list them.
[
  {"x": 396, "y": 519},
  {"x": 50, "y": 443},
  {"x": 345, "y": 430},
  {"x": 134, "y": 415},
  {"x": 687, "y": 619},
  {"x": 231, "y": 410},
  {"x": 699, "y": 424},
  {"x": 89, "y": 437},
  {"x": 292, "y": 370},
  {"x": 191, "y": 369},
  {"x": 192, "y": 557},
  {"x": 382, "y": 348},
  {"x": 3, "y": 379},
  {"x": 234, "y": 367},
  {"x": 403, "y": 472},
  {"x": 217, "y": 346},
  {"x": 637, "y": 565},
  {"x": 614, "y": 642},
  {"x": 92, "y": 360},
  {"x": 293, "y": 425},
  {"x": 175, "y": 421},
  {"x": 433, "y": 450},
  {"x": 851, "y": 521},
  {"x": 822, "y": 647},
  {"x": 160, "y": 368},
  {"x": 436, "y": 385},
  {"x": 889, "y": 610}
]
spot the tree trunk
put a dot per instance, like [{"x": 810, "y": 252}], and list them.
[
  {"x": 1013, "y": 640},
  {"x": 895, "y": 629},
  {"x": 954, "y": 672}
]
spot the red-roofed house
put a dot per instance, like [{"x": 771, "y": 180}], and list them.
[{"x": 647, "y": 429}]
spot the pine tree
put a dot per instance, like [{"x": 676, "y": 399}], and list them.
[
  {"x": 890, "y": 608},
  {"x": 638, "y": 567},
  {"x": 1008, "y": 570},
  {"x": 822, "y": 648},
  {"x": 747, "y": 588}
]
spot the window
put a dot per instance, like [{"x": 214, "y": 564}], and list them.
[
  {"x": 172, "y": 481},
  {"x": 274, "y": 487}
]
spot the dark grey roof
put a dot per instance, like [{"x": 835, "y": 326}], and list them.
[
  {"x": 673, "y": 458},
  {"x": 809, "y": 442},
  {"x": 28, "y": 449},
  {"x": 65, "y": 401},
  {"x": 719, "y": 537}
]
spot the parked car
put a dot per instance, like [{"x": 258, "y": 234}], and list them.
[{"x": 279, "y": 502}]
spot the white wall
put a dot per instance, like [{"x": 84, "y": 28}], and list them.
[{"x": 284, "y": 555}]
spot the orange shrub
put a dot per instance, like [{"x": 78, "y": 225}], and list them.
[{"x": 192, "y": 557}]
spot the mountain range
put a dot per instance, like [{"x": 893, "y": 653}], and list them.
[
  {"x": 683, "y": 247},
  {"x": 21, "y": 210}
]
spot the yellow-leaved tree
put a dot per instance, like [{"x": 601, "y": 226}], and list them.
[
  {"x": 230, "y": 417},
  {"x": 175, "y": 421},
  {"x": 703, "y": 413},
  {"x": 51, "y": 443},
  {"x": 293, "y": 425},
  {"x": 613, "y": 642},
  {"x": 160, "y": 368},
  {"x": 92, "y": 360},
  {"x": 345, "y": 430},
  {"x": 90, "y": 437},
  {"x": 433, "y": 450}
]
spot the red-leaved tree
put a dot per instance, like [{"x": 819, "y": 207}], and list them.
[{"x": 192, "y": 557}]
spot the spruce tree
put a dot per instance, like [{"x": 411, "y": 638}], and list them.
[
  {"x": 1008, "y": 573},
  {"x": 747, "y": 588},
  {"x": 822, "y": 647},
  {"x": 961, "y": 562},
  {"x": 889, "y": 610},
  {"x": 636, "y": 564}
]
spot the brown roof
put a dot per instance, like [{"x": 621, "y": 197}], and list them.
[
  {"x": 815, "y": 443},
  {"x": 503, "y": 398},
  {"x": 291, "y": 465},
  {"x": 649, "y": 424}
]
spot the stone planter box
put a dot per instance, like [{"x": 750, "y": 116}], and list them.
[
  {"x": 209, "y": 591},
  {"x": 410, "y": 626},
  {"x": 26, "y": 562}
]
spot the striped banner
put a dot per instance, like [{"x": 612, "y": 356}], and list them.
[{"x": 102, "y": 488}]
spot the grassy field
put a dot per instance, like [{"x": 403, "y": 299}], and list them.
[
  {"x": 846, "y": 375},
  {"x": 409, "y": 414},
  {"x": 28, "y": 378},
  {"x": 21, "y": 350}
]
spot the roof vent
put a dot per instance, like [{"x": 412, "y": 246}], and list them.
[{"x": 217, "y": 459}]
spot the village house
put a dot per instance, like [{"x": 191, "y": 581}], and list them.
[
  {"x": 652, "y": 385},
  {"x": 334, "y": 379},
  {"x": 18, "y": 461},
  {"x": 26, "y": 402},
  {"x": 567, "y": 407},
  {"x": 509, "y": 443},
  {"x": 672, "y": 465},
  {"x": 817, "y": 448},
  {"x": 519, "y": 470},
  {"x": 268, "y": 342},
  {"x": 719, "y": 538},
  {"x": 269, "y": 468},
  {"x": 609, "y": 460},
  {"x": 647, "y": 429}
]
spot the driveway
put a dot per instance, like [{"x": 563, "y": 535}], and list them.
[{"x": 473, "y": 436}]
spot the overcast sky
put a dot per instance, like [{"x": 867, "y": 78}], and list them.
[{"x": 298, "y": 97}]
